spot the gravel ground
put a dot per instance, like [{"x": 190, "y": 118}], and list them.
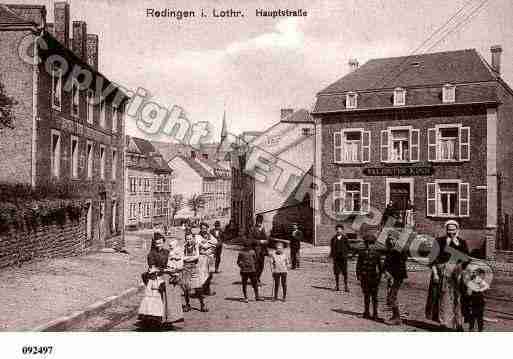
[
  {"x": 39, "y": 292},
  {"x": 312, "y": 305}
]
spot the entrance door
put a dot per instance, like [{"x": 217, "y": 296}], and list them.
[{"x": 400, "y": 195}]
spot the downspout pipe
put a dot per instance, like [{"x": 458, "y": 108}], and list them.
[{"x": 35, "y": 94}]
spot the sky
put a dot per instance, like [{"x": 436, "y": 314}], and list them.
[{"x": 252, "y": 67}]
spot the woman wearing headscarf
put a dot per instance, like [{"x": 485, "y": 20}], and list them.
[{"x": 448, "y": 258}]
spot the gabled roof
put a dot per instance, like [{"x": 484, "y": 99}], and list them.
[
  {"x": 154, "y": 157},
  {"x": 299, "y": 116},
  {"x": 462, "y": 66},
  {"x": 196, "y": 166}
]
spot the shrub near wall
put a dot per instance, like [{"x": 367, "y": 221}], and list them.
[{"x": 34, "y": 227}]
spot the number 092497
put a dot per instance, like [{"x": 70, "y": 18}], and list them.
[{"x": 36, "y": 350}]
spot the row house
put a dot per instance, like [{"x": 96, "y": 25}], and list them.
[
  {"x": 59, "y": 135},
  {"x": 425, "y": 132},
  {"x": 148, "y": 186},
  {"x": 218, "y": 192}
]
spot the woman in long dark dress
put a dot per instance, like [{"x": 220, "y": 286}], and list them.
[{"x": 450, "y": 254}]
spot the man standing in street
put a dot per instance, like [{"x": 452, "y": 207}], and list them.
[
  {"x": 218, "y": 234},
  {"x": 295, "y": 245},
  {"x": 259, "y": 240},
  {"x": 339, "y": 250},
  {"x": 396, "y": 272}
]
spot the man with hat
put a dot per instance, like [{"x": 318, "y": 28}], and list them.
[
  {"x": 339, "y": 251},
  {"x": 218, "y": 234},
  {"x": 259, "y": 241},
  {"x": 295, "y": 245}
]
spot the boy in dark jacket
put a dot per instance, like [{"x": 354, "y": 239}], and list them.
[
  {"x": 396, "y": 273},
  {"x": 339, "y": 250},
  {"x": 368, "y": 272},
  {"x": 247, "y": 262}
]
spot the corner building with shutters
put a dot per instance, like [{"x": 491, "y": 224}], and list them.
[{"x": 432, "y": 130}]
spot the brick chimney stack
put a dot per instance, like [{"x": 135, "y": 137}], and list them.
[
  {"x": 353, "y": 64},
  {"x": 496, "y": 51},
  {"x": 79, "y": 41},
  {"x": 284, "y": 112},
  {"x": 92, "y": 50},
  {"x": 61, "y": 22}
]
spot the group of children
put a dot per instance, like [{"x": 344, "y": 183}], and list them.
[{"x": 248, "y": 264}]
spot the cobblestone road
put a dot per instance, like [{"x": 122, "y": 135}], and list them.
[{"x": 312, "y": 305}]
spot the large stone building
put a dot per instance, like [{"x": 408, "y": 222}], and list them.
[
  {"x": 57, "y": 133},
  {"x": 431, "y": 131},
  {"x": 148, "y": 186}
]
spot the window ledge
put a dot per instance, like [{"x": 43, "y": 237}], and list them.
[
  {"x": 448, "y": 161},
  {"x": 447, "y": 216},
  {"x": 350, "y": 163}
]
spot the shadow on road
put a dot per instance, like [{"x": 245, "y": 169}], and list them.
[{"x": 323, "y": 288}]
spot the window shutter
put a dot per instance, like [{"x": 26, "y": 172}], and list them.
[
  {"x": 365, "y": 205},
  {"x": 366, "y": 142},
  {"x": 337, "y": 147},
  {"x": 432, "y": 142},
  {"x": 464, "y": 143},
  {"x": 384, "y": 145},
  {"x": 464, "y": 199},
  {"x": 338, "y": 197},
  {"x": 414, "y": 147},
  {"x": 431, "y": 199}
]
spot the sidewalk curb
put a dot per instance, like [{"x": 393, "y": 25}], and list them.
[{"x": 64, "y": 322}]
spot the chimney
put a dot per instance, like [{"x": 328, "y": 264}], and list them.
[
  {"x": 193, "y": 154},
  {"x": 50, "y": 29},
  {"x": 61, "y": 22},
  {"x": 284, "y": 112},
  {"x": 92, "y": 50},
  {"x": 79, "y": 41},
  {"x": 353, "y": 64},
  {"x": 496, "y": 51}
]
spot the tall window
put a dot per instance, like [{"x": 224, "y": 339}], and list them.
[
  {"x": 449, "y": 143},
  {"x": 399, "y": 97},
  {"x": 90, "y": 156},
  {"x": 351, "y": 196},
  {"x": 159, "y": 184},
  {"x": 75, "y": 98},
  {"x": 56, "y": 153},
  {"x": 446, "y": 198},
  {"x": 114, "y": 216},
  {"x": 56, "y": 87},
  {"x": 448, "y": 93},
  {"x": 102, "y": 113},
  {"x": 114, "y": 163},
  {"x": 164, "y": 205},
  {"x": 400, "y": 144},
  {"x": 351, "y": 100},
  {"x": 102, "y": 162},
  {"x": 74, "y": 157},
  {"x": 133, "y": 184},
  {"x": 90, "y": 106},
  {"x": 147, "y": 185},
  {"x": 115, "y": 117},
  {"x": 352, "y": 146}
]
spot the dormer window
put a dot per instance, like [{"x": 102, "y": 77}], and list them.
[
  {"x": 351, "y": 100},
  {"x": 448, "y": 93},
  {"x": 399, "y": 97}
]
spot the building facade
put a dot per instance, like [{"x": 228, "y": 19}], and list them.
[
  {"x": 148, "y": 186},
  {"x": 63, "y": 130},
  {"x": 424, "y": 132}
]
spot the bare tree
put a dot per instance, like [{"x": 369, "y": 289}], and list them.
[
  {"x": 196, "y": 203},
  {"x": 177, "y": 203}
]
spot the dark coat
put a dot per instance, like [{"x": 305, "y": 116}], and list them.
[
  {"x": 158, "y": 258},
  {"x": 255, "y": 236},
  {"x": 339, "y": 249},
  {"x": 368, "y": 266},
  {"x": 296, "y": 238},
  {"x": 395, "y": 264},
  {"x": 440, "y": 254},
  {"x": 219, "y": 236},
  {"x": 247, "y": 261}
]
